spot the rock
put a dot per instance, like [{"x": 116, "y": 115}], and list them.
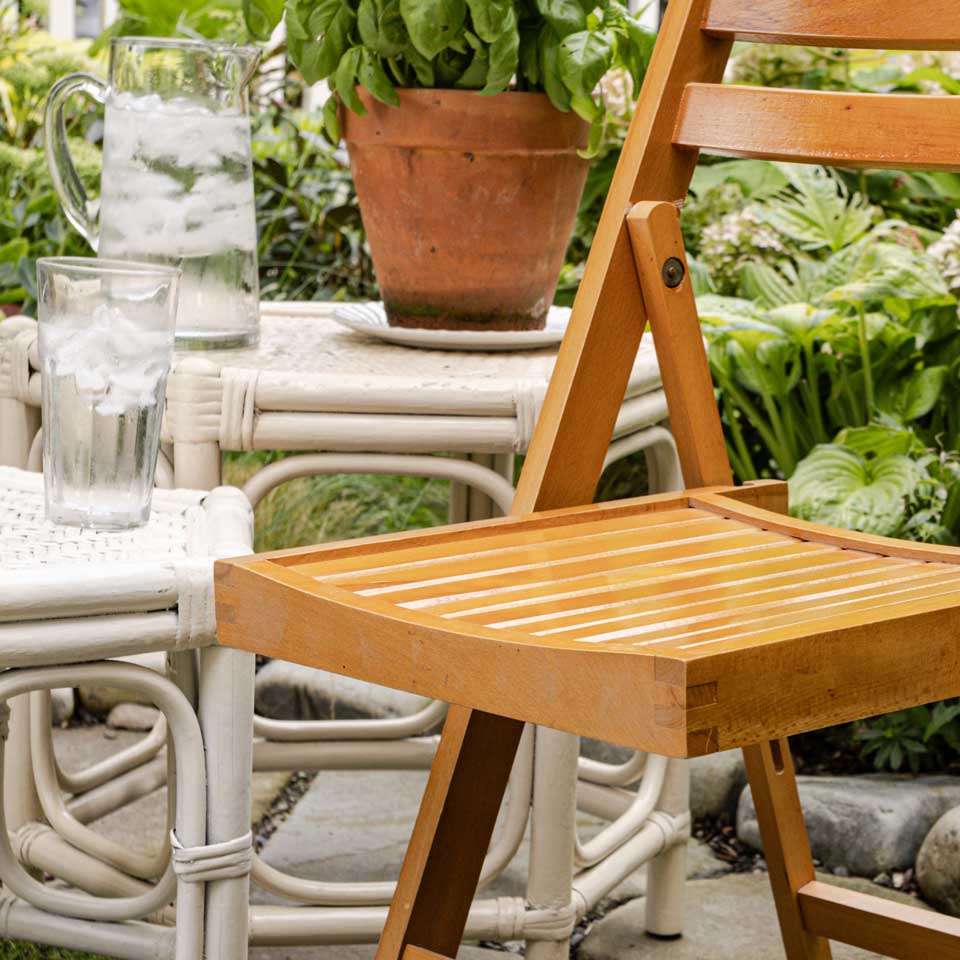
[
  {"x": 729, "y": 918},
  {"x": 716, "y": 781},
  {"x": 133, "y": 716},
  {"x": 700, "y": 863},
  {"x": 938, "y": 864},
  {"x": 101, "y": 700},
  {"x": 62, "y": 704},
  {"x": 358, "y": 952},
  {"x": 289, "y": 691},
  {"x": 869, "y": 824}
]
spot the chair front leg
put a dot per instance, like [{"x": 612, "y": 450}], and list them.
[{"x": 451, "y": 836}]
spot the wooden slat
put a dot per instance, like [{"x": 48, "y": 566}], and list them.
[
  {"x": 537, "y": 573},
  {"x": 626, "y": 543},
  {"x": 664, "y": 605},
  {"x": 869, "y": 24},
  {"x": 479, "y": 604},
  {"x": 834, "y": 536},
  {"x": 653, "y": 581},
  {"x": 881, "y": 926},
  {"x": 491, "y": 552},
  {"x": 878, "y": 130}
]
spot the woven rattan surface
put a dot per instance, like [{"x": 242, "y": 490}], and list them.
[{"x": 175, "y": 530}]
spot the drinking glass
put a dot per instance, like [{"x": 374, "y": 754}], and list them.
[
  {"x": 106, "y": 344},
  {"x": 177, "y": 181}
]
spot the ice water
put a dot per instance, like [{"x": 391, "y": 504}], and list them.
[
  {"x": 178, "y": 189},
  {"x": 103, "y": 382}
]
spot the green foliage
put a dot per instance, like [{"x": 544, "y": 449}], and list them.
[
  {"x": 31, "y": 222},
  {"x": 311, "y": 240},
  {"x": 17, "y": 950},
  {"x": 921, "y": 737},
  {"x": 562, "y": 47},
  {"x": 199, "y": 19}
]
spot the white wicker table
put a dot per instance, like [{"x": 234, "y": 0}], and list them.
[
  {"x": 354, "y": 404},
  {"x": 71, "y": 602}
]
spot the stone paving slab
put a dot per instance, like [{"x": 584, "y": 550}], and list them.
[
  {"x": 728, "y": 918},
  {"x": 363, "y": 952}
]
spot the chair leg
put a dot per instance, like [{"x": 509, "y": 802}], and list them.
[
  {"x": 452, "y": 833},
  {"x": 785, "y": 843}
]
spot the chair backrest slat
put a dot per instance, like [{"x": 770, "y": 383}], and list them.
[
  {"x": 840, "y": 129},
  {"x": 870, "y": 24}
]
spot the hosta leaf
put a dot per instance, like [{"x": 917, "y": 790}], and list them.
[
  {"x": 913, "y": 397},
  {"x": 819, "y": 211},
  {"x": 433, "y": 24},
  {"x": 834, "y": 485}
]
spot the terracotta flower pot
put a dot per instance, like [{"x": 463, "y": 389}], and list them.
[{"x": 468, "y": 203}]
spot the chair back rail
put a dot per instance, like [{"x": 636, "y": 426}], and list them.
[
  {"x": 878, "y": 130},
  {"x": 870, "y": 24}
]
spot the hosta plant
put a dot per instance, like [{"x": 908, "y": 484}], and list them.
[{"x": 561, "y": 47}]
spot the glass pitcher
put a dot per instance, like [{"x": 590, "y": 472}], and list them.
[{"x": 177, "y": 181}]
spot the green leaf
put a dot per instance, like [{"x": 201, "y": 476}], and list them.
[
  {"x": 262, "y": 16},
  {"x": 381, "y": 27},
  {"x": 475, "y": 76},
  {"x": 374, "y": 78},
  {"x": 422, "y": 66},
  {"x": 433, "y": 24},
  {"x": 346, "y": 80},
  {"x": 818, "y": 211},
  {"x": 490, "y": 17},
  {"x": 550, "y": 69},
  {"x": 565, "y": 16},
  {"x": 834, "y": 485},
  {"x": 914, "y": 396},
  {"x": 331, "y": 120},
  {"x": 583, "y": 59},
  {"x": 504, "y": 57},
  {"x": 13, "y": 251},
  {"x": 322, "y": 16},
  {"x": 296, "y": 24}
]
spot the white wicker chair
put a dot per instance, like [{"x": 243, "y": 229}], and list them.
[{"x": 71, "y": 602}]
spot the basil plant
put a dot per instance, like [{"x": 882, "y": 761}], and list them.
[{"x": 560, "y": 47}]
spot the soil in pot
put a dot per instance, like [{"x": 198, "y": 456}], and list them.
[{"x": 468, "y": 203}]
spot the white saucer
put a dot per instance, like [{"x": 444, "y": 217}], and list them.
[{"x": 371, "y": 319}]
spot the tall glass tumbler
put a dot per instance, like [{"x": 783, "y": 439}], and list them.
[{"x": 106, "y": 344}]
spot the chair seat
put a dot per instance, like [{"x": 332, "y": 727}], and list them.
[{"x": 729, "y": 623}]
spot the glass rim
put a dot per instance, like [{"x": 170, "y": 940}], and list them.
[
  {"x": 101, "y": 266},
  {"x": 189, "y": 43}
]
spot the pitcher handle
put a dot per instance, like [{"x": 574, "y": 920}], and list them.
[{"x": 80, "y": 210}]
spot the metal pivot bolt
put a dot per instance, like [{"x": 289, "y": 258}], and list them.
[{"x": 673, "y": 271}]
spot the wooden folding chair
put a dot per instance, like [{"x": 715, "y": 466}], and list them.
[{"x": 679, "y": 624}]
